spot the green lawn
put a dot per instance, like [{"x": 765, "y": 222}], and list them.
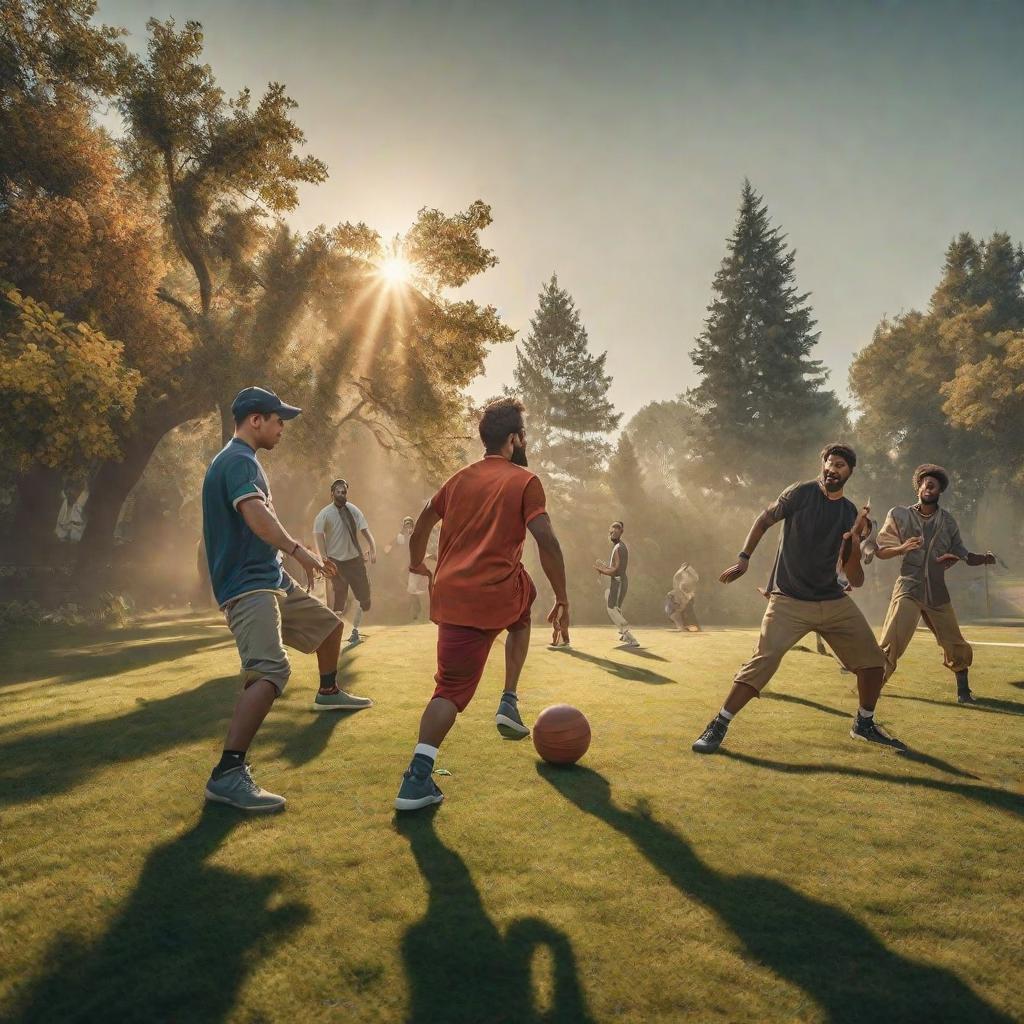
[{"x": 797, "y": 876}]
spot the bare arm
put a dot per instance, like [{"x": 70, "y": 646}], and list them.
[
  {"x": 609, "y": 570},
  {"x": 268, "y": 528},
  {"x": 373, "y": 544},
  {"x": 553, "y": 564},
  {"x": 320, "y": 540},
  {"x": 428, "y": 519},
  {"x": 761, "y": 526}
]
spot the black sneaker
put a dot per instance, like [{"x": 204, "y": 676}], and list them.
[
  {"x": 711, "y": 738},
  {"x": 965, "y": 697},
  {"x": 867, "y": 729}
]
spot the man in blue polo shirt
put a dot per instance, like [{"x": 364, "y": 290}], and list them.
[{"x": 263, "y": 606}]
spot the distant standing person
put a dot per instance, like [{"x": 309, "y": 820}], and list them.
[
  {"x": 337, "y": 529},
  {"x": 684, "y": 589},
  {"x": 617, "y": 571},
  {"x": 416, "y": 586},
  {"x": 481, "y": 587},
  {"x": 928, "y": 540},
  {"x": 264, "y": 607},
  {"x": 821, "y": 532}
]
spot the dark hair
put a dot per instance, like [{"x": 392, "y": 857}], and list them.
[
  {"x": 844, "y": 451},
  {"x": 241, "y": 417},
  {"x": 930, "y": 469},
  {"x": 620, "y": 524},
  {"x": 336, "y": 482},
  {"x": 500, "y": 418}
]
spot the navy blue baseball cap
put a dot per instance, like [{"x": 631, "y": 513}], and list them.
[{"x": 250, "y": 400}]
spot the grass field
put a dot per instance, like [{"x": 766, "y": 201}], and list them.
[{"x": 797, "y": 876}]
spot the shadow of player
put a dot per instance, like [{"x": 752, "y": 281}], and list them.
[
  {"x": 830, "y": 955},
  {"x": 633, "y": 674},
  {"x": 461, "y": 969},
  {"x": 180, "y": 948}
]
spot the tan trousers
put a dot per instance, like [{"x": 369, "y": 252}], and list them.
[
  {"x": 786, "y": 621},
  {"x": 900, "y": 622}
]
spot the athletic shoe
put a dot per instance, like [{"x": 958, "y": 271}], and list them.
[
  {"x": 631, "y": 641},
  {"x": 509, "y": 724},
  {"x": 237, "y": 788},
  {"x": 340, "y": 701},
  {"x": 866, "y": 729},
  {"x": 966, "y": 697},
  {"x": 355, "y": 637},
  {"x": 711, "y": 738},
  {"x": 417, "y": 791}
]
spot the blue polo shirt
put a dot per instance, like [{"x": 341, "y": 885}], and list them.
[{"x": 239, "y": 561}]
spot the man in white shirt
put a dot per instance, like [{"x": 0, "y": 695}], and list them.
[{"x": 337, "y": 529}]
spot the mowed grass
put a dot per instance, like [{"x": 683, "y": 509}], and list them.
[{"x": 797, "y": 876}]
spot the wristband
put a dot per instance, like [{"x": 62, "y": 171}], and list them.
[
  {"x": 743, "y": 555},
  {"x": 294, "y": 549}
]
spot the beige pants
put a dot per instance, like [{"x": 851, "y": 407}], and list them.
[
  {"x": 787, "y": 621},
  {"x": 900, "y": 622}
]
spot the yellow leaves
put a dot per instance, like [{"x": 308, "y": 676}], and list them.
[{"x": 64, "y": 388}]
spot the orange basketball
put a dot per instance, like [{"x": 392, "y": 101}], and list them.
[{"x": 561, "y": 734}]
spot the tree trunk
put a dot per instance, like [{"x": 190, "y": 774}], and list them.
[{"x": 31, "y": 539}]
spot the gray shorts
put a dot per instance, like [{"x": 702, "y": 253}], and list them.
[{"x": 265, "y": 620}]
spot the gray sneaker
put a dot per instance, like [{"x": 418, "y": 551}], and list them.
[
  {"x": 354, "y": 638},
  {"x": 416, "y": 792},
  {"x": 340, "y": 701},
  {"x": 509, "y": 724},
  {"x": 238, "y": 788}
]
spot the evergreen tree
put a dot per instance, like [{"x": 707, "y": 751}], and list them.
[
  {"x": 761, "y": 397},
  {"x": 625, "y": 475},
  {"x": 565, "y": 390}
]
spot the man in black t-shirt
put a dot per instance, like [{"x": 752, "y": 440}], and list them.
[{"x": 821, "y": 531}]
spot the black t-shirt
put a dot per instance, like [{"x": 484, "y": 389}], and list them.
[{"x": 812, "y": 534}]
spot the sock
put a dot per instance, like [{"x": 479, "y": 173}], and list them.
[
  {"x": 961, "y": 681},
  {"x": 228, "y": 760},
  {"x": 862, "y": 713},
  {"x": 509, "y": 698},
  {"x": 727, "y": 715},
  {"x": 423, "y": 757},
  {"x": 329, "y": 680}
]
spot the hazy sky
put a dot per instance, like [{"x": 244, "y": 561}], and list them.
[{"x": 612, "y": 139}]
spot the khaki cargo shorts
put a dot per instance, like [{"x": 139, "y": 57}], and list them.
[
  {"x": 265, "y": 620},
  {"x": 787, "y": 621}
]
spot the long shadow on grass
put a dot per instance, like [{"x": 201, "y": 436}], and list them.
[
  {"x": 180, "y": 948},
  {"x": 461, "y": 969},
  {"x": 633, "y": 674},
  {"x": 1001, "y": 799},
  {"x": 42, "y": 764},
  {"x": 990, "y": 704},
  {"x": 300, "y": 746},
  {"x": 789, "y": 698},
  {"x": 639, "y": 652},
  {"x": 821, "y": 949},
  {"x": 111, "y": 657}
]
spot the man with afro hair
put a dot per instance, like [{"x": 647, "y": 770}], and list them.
[{"x": 927, "y": 538}]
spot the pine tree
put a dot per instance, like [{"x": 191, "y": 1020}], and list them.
[
  {"x": 565, "y": 390},
  {"x": 625, "y": 475},
  {"x": 760, "y": 398}
]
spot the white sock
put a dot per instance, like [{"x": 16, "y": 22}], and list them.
[
  {"x": 727, "y": 715},
  {"x": 357, "y": 617},
  {"x": 427, "y": 750},
  {"x": 865, "y": 714}
]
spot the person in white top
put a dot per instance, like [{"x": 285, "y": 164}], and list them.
[
  {"x": 337, "y": 530},
  {"x": 679, "y": 601},
  {"x": 417, "y": 586}
]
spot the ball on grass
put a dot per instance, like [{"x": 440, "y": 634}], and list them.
[{"x": 561, "y": 734}]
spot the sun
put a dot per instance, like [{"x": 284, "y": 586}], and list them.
[{"x": 395, "y": 270}]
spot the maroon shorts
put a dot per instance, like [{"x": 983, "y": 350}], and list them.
[{"x": 462, "y": 655}]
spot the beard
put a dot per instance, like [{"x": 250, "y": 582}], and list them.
[
  {"x": 831, "y": 485},
  {"x": 519, "y": 456},
  {"x": 930, "y": 500}
]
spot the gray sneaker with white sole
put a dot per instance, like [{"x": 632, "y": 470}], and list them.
[
  {"x": 509, "y": 724},
  {"x": 340, "y": 701},
  {"x": 237, "y": 788}
]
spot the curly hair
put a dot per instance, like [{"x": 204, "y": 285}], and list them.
[
  {"x": 500, "y": 418},
  {"x": 844, "y": 451},
  {"x": 930, "y": 469}
]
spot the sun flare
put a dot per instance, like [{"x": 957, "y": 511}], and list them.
[{"x": 395, "y": 270}]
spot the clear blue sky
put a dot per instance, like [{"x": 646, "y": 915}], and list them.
[{"x": 612, "y": 139}]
